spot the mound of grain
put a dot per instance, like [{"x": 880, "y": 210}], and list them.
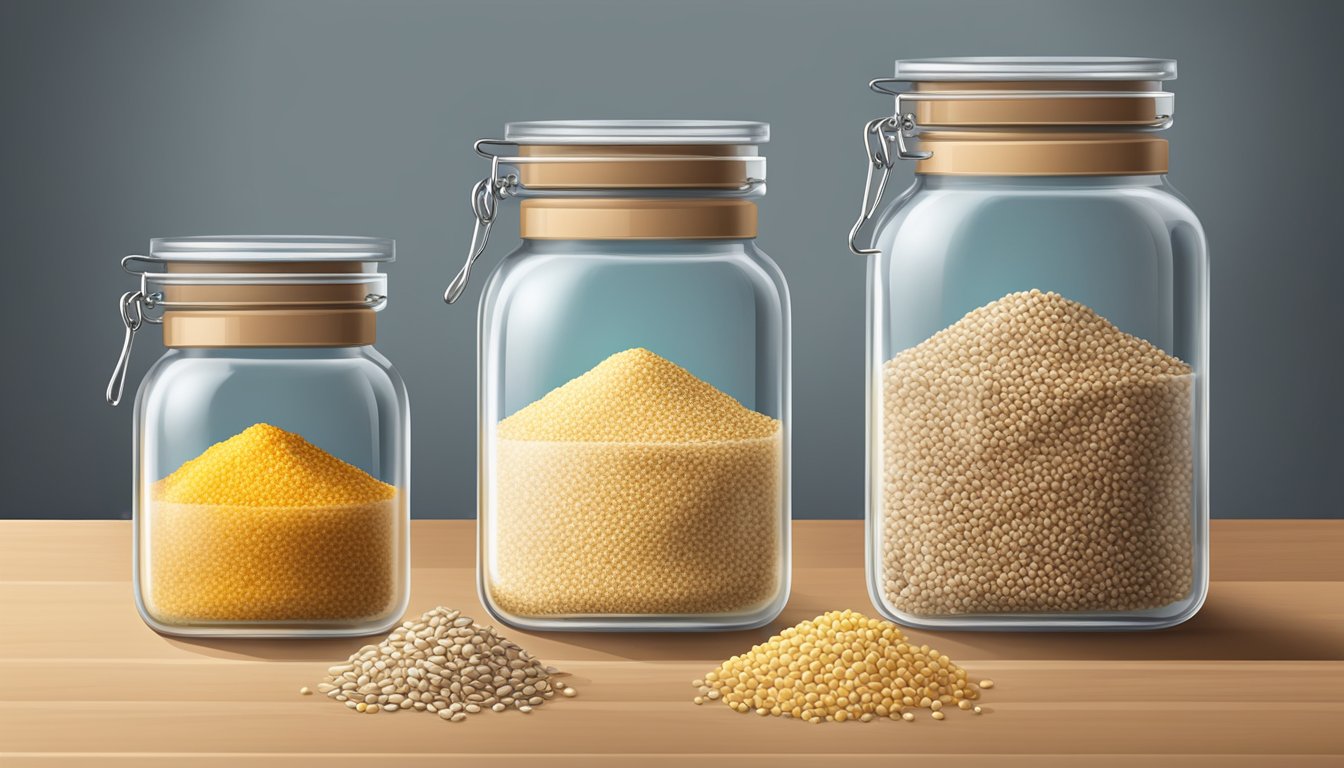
[
  {"x": 636, "y": 489},
  {"x": 445, "y": 663},
  {"x": 266, "y": 526},
  {"x": 636, "y": 396},
  {"x": 1036, "y": 459},
  {"x": 840, "y": 666}
]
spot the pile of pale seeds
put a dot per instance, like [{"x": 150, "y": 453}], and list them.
[{"x": 445, "y": 663}]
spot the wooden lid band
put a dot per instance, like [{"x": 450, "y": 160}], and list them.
[
  {"x": 1042, "y": 154},
  {"x": 1044, "y": 103},
  {"x": 270, "y": 328},
  {"x": 1040, "y": 128},
  {"x": 637, "y": 219},
  {"x": 637, "y": 167},
  {"x": 222, "y": 314}
]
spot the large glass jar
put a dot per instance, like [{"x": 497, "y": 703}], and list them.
[
  {"x": 271, "y": 440},
  {"x": 634, "y": 383},
  {"x": 1037, "y": 351}
]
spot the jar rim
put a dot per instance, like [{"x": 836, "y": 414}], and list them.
[
  {"x": 637, "y": 132},
  {"x": 1033, "y": 68},
  {"x": 272, "y": 248}
]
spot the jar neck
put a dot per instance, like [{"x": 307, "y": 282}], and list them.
[
  {"x": 274, "y": 353},
  {"x": 270, "y": 304},
  {"x": 953, "y": 182},
  {"x": 633, "y": 167},
  {"x": 286, "y": 328},
  {"x": 643, "y": 218},
  {"x": 1042, "y": 153},
  {"x": 697, "y": 249}
]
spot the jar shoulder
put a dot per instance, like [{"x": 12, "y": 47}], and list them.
[
  {"x": 277, "y": 358},
  {"x": 627, "y": 252},
  {"x": 198, "y": 374},
  {"x": 552, "y": 265},
  {"x": 968, "y": 198}
]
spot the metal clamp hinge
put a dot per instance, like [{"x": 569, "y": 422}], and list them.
[
  {"x": 132, "y": 310},
  {"x": 485, "y": 197},
  {"x": 878, "y": 137},
  {"x": 131, "y": 307}
]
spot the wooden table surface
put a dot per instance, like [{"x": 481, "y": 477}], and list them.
[{"x": 1257, "y": 678}]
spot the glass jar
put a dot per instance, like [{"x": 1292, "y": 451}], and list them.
[
  {"x": 271, "y": 440},
  {"x": 1037, "y": 351},
  {"x": 634, "y": 382}
]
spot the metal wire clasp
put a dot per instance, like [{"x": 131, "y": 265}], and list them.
[
  {"x": 131, "y": 306},
  {"x": 485, "y": 197},
  {"x": 878, "y": 137}
]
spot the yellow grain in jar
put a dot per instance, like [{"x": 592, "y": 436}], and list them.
[
  {"x": 266, "y": 526},
  {"x": 636, "y": 488}
]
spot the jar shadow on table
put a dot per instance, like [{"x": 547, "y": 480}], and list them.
[
  {"x": 329, "y": 650},
  {"x": 1223, "y": 629},
  {"x": 661, "y": 646},
  {"x": 1231, "y": 625},
  {"x": 1218, "y": 632}
]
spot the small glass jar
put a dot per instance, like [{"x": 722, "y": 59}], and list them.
[
  {"x": 634, "y": 382},
  {"x": 1037, "y": 351},
  {"x": 271, "y": 440}
]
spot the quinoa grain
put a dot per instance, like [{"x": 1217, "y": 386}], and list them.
[{"x": 1035, "y": 459}]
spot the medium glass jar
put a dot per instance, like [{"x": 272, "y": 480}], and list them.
[
  {"x": 634, "y": 382},
  {"x": 271, "y": 440},
  {"x": 1037, "y": 351}
]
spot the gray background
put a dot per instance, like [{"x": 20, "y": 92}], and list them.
[{"x": 127, "y": 120}]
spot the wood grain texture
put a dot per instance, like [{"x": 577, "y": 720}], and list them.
[{"x": 1257, "y": 678}]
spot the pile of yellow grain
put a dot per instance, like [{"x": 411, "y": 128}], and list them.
[
  {"x": 1036, "y": 459},
  {"x": 266, "y": 526},
  {"x": 841, "y": 666},
  {"x": 636, "y": 489}
]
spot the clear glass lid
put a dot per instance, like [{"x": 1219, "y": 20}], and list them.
[
  {"x": 1031, "y": 92},
  {"x": 258, "y": 272},
  {"x": 1028, "y": 68},
  {"x": 637, "y": 132},
  {"x": 603, "y": 157},
  {"x": 272, "y": 248}
]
